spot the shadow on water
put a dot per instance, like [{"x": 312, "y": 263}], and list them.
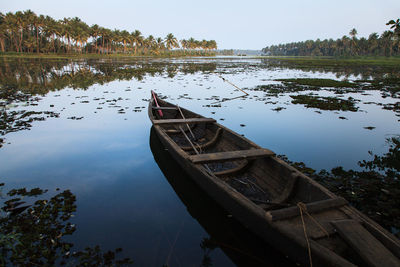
[{"x": 238, "y": 243}]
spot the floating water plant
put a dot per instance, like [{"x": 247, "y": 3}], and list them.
[
  {"x": 325, "y": 103},
  {"x": 319, "y": 82}
]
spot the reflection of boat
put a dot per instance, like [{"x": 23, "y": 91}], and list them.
[
  {"x": 240, "y": 245},
  {"x": 272, "y": 199}
]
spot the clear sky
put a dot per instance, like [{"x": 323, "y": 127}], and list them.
[{"x": 251, "y": 24}]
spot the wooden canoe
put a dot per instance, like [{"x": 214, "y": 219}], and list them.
[{"x": 284, "y": 207}]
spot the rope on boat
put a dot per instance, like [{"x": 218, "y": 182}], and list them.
[
  {"x": 303, "y": 207},
  {"x": 187, "y": 125}
]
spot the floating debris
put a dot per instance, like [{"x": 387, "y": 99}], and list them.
[
  {"x": 277, "y": 109},
  {"x": 75, "y": 118},
  {"x": 369, "y": 128}
]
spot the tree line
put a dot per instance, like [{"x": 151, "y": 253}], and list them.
[
  {"x": 386, "y": 44},
  {"x": 24, "y": 31}
]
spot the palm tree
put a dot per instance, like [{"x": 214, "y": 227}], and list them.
[
  {"x": 125, "y": 38},
  {"x": 3, "y": 32},
  {"x": 136, "y": 38},
  {"x": 373, "y": 43},
  {"x": 353, "y": 34},
  {"x": 94, "y": 33},
  {"x": 191, "y": 43},
  {"x": 171, "y": 41},
  {"x": 386, "y": 38},
  {"x": 395, "y": 26},
  {"x": 160, "y": 43},
  {"x": 66, "y": 31}
]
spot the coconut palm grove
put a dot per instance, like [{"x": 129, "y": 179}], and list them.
[
  {"x": 385, "y": 44},
  {"x": 24, "y": 31}
]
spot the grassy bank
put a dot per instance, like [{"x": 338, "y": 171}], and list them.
[{"x": 340, "y": 61}]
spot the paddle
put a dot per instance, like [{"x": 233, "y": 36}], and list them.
[{"x": 157, "y": 105}]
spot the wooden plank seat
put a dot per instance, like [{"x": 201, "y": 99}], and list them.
[
  {"x": 182, "y": 121},
  {"x": 206, "y": 144},
  {"x": 230, "y": 155},
  {"x": 313, "y": 207},
  {"x": 178, "y": 131},
  {"x": 365, "y": 244},
  {"x": 164, "y": 108}
]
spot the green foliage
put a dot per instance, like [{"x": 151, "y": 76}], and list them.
[
  {"x": 319, "y": 82},
  {"x": 32, "y": 232},
  {"x": 395, "y": 26}
]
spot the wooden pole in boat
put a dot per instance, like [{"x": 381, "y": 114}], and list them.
[
  {"x": 225, "y": 80},
  {"x": 187, "y": 137},
  {"x": 183, "y": 117},
  {"x": 157, "y": 105},
  {"x": 194, "y": 148}
]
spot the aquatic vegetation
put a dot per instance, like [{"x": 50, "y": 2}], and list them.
[
  {"x": 274, "y": 90},
  {"x": 325, "y": 103},
  {"x": 32, "y": 232},
  {"x": 391, "y": 85},
  {"x": 13, "y": 121},
  {"x": 319, "y": 82}
]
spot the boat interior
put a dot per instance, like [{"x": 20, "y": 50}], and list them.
[{"x": 244, "y": 166}]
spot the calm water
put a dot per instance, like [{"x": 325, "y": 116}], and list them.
[{"x": 95, "y": 140}]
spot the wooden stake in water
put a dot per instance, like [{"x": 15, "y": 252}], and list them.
[{"x": 225, "y": 80}]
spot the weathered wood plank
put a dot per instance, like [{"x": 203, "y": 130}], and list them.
[
  {"x": 231, "y": 155},
  {"x": 313, "y": 207},
  {"x": 365, "y": 244},
  {"x": 182, "y": 121},
  {"x": 166, "y": 108},
  {"x": 207, "y": 144}
]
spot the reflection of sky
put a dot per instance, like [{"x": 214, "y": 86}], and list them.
[{"x": 123, "y": 198}]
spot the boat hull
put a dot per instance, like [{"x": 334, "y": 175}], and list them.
[{"x": 250, "y": 216}]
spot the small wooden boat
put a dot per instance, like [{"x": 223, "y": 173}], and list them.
[{"x": 284, "y": 207}]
